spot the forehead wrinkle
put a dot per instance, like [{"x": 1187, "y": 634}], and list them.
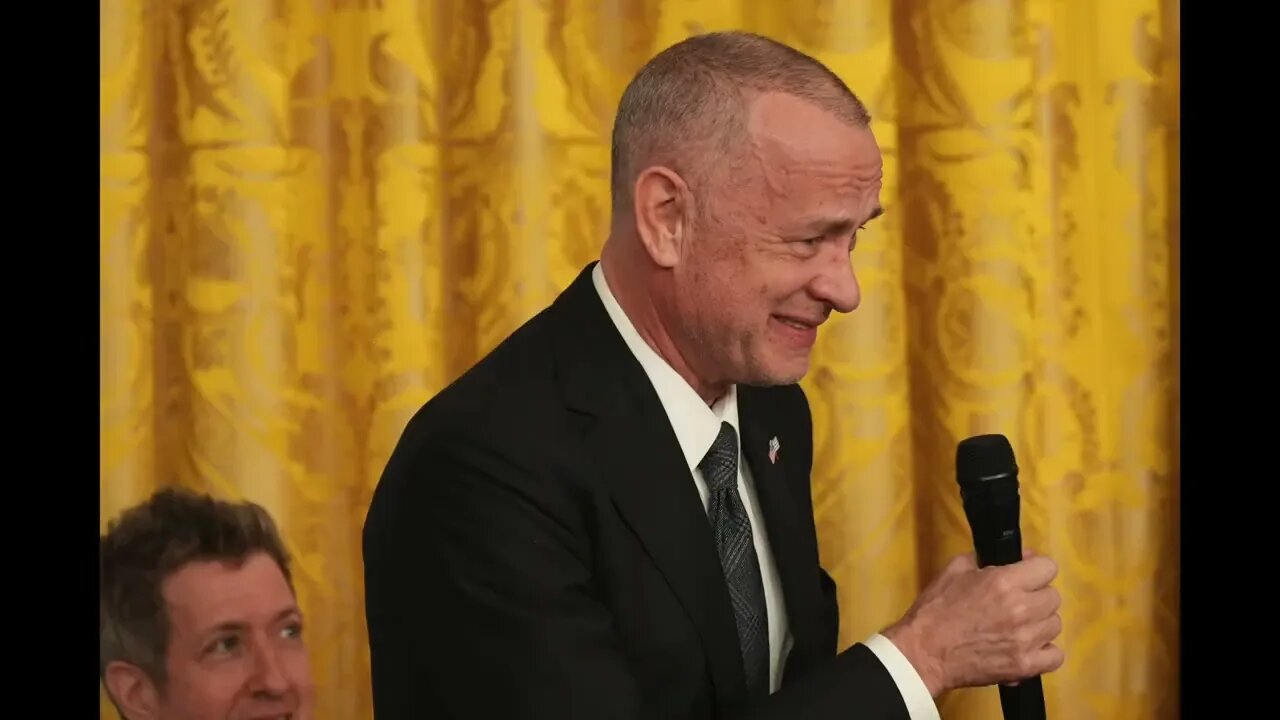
[
  {"x": 774, "y": 164},
  {"x": 827, "y": 174}
]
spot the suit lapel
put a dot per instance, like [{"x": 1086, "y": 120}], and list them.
[
  {"x": 793, "y": 555},
  {"x": 655, "y": 494},
  {"x": 635, "y": 449}
]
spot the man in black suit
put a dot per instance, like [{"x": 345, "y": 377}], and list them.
[{"x": 610, "y": 516}]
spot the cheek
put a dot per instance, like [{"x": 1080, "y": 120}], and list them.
[
  {"x": 777, "y": 287},
  {"x": 748, "y": 296},
  {"x": 747, "y": 307},
  {"x": 711, "y": 286},
  {"x": 205, "y": 692},
  {"x": 297, "y": 666}
]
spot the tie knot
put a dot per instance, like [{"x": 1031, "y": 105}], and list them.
[{"x": 720, "y": 465}]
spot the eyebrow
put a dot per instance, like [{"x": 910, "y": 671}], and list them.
[
  {"x": 241, "y": 626},
  {"x": 826, "y": 226}
]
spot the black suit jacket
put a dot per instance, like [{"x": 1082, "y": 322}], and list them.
[{"x": 536, "y": 548}]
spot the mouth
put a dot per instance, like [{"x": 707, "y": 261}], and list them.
[
  {"x": 797, "y": 331},
  {"x": 798, "y": 323}
]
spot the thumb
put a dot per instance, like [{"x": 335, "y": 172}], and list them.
[
  {"x": 1028, "y": 553},
  {"x": 962, "y": 563}
]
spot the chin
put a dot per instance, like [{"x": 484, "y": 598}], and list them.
[
  {"x": 780, "y": 374},
  {"x": 792, "y": 379}
]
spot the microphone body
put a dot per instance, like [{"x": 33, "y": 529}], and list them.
[{"x": 988, "y": 477}]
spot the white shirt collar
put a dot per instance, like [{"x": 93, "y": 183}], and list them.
[{"x": 696, "y": 425}]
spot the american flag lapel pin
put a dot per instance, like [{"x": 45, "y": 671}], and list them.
[{"x": 773, "y": 449}]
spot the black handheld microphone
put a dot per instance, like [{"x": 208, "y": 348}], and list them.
[{"x": 988, "y": 478}]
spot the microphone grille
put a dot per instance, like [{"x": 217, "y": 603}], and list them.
[{"x": 984, "y": 456}]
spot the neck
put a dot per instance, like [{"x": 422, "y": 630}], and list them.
[{"x": 638, "y": 288}]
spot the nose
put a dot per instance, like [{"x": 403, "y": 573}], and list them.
[
  {"x": 270, "y": 674},
  {"x": 837, "y": 286}
]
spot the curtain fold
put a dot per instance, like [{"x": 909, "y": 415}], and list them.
[{"x": 314, "y": 215}]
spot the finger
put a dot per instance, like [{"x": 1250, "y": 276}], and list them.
[
  {"x": 1040, "y": 661},
  {"x": 1028, "y": 553},
  {"x": 1045, "y": 631},
  {"x": 1040, "y": 604},
  {"x": 962, "y": 563},
  {"x": 1033, "y": 573},
  {"x": 1047, "y": 659}
]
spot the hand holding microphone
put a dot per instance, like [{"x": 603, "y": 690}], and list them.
[{"x": 990, "y": 617}]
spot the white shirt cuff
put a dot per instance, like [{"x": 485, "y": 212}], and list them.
[{"x": 920, "y": 705}]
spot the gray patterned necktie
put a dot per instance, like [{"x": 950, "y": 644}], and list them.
[{"x": 732, "y": 530}]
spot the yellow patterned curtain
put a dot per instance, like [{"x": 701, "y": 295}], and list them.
[{"x": 315, "y": 214}]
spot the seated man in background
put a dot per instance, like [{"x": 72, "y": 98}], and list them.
[{"x": 198, "y": 617}]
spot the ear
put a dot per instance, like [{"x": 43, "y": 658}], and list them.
[
  {"x": 133, "y": 692},
  {"x": 662, "y": 210}
]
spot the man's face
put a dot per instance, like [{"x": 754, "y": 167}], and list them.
[
  {"x": 235, "y": 644},
  {"x": 770, "y": 259}
]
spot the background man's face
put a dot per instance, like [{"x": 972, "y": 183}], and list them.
[{"x": 235, "y": 644}]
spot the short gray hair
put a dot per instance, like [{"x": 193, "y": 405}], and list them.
[{"x": 691, "y": 99}]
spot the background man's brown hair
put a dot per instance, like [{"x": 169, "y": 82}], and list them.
[{"x": 151, "y": 541}]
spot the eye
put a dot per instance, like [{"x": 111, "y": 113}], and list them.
[
  {"x": 223, "y": 645},
  {"x": 292, "y": 631},
  {"x": 853, "y": 242}
]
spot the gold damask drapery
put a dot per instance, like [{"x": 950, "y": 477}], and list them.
[{"x": 315, "y": 214}]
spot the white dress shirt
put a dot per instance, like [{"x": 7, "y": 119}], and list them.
[{"x": 696, "y": 426}]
